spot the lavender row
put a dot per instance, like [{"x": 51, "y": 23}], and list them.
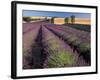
[
  {"x": 27, "y": 27},
  {"x": 28, "y": 43},
  {"x": 59, "y": 54},
  {"x": 82, "y": 47},
  {"x": 82, "y": 35}
]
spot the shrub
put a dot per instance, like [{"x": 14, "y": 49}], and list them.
[
  {"x": 61, "y": 59},
  {"x": 84, "y": 47},
  {"x": 27, "y": 19}
]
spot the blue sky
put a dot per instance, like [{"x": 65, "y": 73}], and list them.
[{"x": 55, "y": 14}]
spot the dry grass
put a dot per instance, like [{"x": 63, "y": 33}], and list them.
[{"x": 77, "y": 21}]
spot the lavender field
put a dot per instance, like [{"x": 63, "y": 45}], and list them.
[{"x": 47, "y": 45}]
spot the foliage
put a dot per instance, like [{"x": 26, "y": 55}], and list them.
[
  {"x": 84, "y": 47},
  {"x": 61, "y": 59},
  {"x": 72, "y": 19},
  {"x": 66, "y": 20},
  {"x": 52, "y": 20},
  {"x": 27, "y": 19}
]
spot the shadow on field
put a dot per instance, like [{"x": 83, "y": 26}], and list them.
[{"x": 37, "y": 57}]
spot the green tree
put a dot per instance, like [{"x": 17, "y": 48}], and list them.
[
  {"x": 72, "y": 19},
  {"x": 52, "y": 20},
  {"x": 66, "y": 20},
  {"x": 27, "y": 19}
]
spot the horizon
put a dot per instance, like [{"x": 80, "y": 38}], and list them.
[{"x": 32, "y": 13}]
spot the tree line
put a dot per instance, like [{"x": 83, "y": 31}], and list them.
[{"x": 70, "y": 19}]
